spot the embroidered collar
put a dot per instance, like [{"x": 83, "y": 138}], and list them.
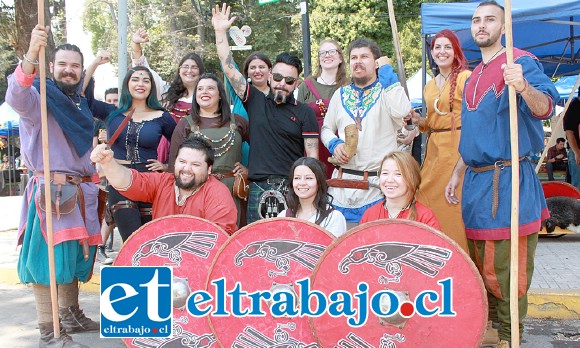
[{"x": 181, "y": 202}]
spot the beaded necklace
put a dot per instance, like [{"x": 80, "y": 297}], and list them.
[
  {"x": 228, "y": 140},
  {"x": 184, "y": 112}
]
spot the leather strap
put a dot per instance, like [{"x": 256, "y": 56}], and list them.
[
  {"x": 71, "y": 179},
  {"x": 443, "y": 130},
  {"x": 220, "y": 176},
  {"x": 364, "y": 174},
  {"x": 497, "y": 167},
  {"x": 312, "y": 89},
  {"x": 122, "y": 126}
]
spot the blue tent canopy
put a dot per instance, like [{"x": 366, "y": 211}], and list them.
[
  {"x": 9, "y": 121},
  {"x": 547, "y": 28},
  {"x": 564, "y": 87}
]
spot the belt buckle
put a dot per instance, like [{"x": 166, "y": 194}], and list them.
[{"x": 499, "y": 164}]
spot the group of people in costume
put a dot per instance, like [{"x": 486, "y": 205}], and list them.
[{"x": 329, "y": 157}]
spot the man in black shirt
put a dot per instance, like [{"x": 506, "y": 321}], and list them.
[
  {"x": 281, "y": 129},
  {"x": 571, "y": 127}
]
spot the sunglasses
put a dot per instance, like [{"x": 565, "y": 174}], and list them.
[{"x": 279, "y": 77}]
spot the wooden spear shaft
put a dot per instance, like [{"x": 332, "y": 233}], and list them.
[
  {"x": 397, "y": 45},
  {"x": 514, "y": 271},
  {"x": 46, "y": 169}
]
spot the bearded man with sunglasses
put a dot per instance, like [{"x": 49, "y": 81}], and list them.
[
  {"x": 376, "y": 103},
  {"x": 281, "y": 129}
]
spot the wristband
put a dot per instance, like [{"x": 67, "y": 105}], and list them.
[{"x": 33, "y": 62}]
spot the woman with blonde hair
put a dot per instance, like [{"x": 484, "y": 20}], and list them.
[
  {"x": 399, "y": 180},
  {"x": 443, "y": 96},
  {"x": 317, "y": 89}
]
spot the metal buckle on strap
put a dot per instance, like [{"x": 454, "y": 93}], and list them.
[{"x": 499, "y": 164}]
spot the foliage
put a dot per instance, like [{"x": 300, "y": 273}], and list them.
[{"x": 8, "y": 58}]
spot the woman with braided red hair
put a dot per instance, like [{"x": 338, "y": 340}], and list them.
[{"x": 443, "y": 97}]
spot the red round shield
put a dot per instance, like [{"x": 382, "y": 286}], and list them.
[
  {"x": 437, "y": 290},
  {"x": 189, "y": 244},
  {"x": 268, "y": 255}
]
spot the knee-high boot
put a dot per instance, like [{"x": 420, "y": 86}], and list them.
[
  {"x": 45, "y": 324},
  {"x": 72, "y": 317}
]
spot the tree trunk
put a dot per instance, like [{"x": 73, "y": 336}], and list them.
[{"x": 26, "y": 13}]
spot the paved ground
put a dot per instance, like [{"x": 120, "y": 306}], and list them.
[{"x": 555, "y": 293}]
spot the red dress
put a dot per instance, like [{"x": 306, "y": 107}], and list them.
[
  {"x": 424, "y": 214},
  {"x": 179, "y": 110}
]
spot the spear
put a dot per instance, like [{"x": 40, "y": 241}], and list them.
[
  {"x": 46, "y": 168},
  {"x": 514, "y": 271},
  {"x": 397, "y": 45}
]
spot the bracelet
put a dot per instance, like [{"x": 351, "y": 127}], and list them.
[
  {"x": 33, "y": 62},
  {"x": 525, "y": 87}
]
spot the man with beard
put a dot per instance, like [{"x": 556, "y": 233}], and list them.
[
  {"x": 281, "y": 129},
  {"x": 485, "y": 160},
  {"x": 189, "y": 190},
  {"x": 75, "y": 223},
  {"x": 376, "y": 103}
]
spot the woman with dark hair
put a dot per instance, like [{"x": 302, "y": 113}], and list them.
[
  {"x": 399, "y": 180},
  {"x": 257, "y": 68},
  {"x": 177, "y": 95},
  {"x": 211, "y": 119},
  {"x": 308, "y": 197},
  {"x": 317, "y": 89},
  {"x": 443, "y": 96},
  {"x": 136, "y": 146}
]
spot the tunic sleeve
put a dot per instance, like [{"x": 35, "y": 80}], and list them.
[
  {"x": 534, "y": 73},
  {"x": 143, "y": 186},
  {"x": 243, "y": 127},
  {"x": 167, "y": 125}
]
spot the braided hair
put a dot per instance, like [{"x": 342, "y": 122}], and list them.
[{"x": 459, "y": 64}]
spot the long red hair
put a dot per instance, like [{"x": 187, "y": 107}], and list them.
[{"x": 459, "y": 64}]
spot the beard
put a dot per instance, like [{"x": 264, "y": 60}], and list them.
[
  {"x": 193, "y": 184},
  {"x": 361, "y": 81},
  {"x": 67, "y": 88},
  {"x": 279, "y": 97},
  {"x": 486, "y": 42}
]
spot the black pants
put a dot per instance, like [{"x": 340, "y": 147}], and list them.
[
  {"x": 555, "y": 165},
  {"x": 128, "y": 220}
]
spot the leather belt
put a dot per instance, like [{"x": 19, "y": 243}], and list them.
[
  {"x": 271, "y": 180},
  {"x": 359, "y": 172},
  {"x": 75, "y": 180},
  {"x": 220, "y": 176},
  {"x": 72, "y": 179},
  {"x": 497, "y": 167},
  {"x": 443, "y": 130}
]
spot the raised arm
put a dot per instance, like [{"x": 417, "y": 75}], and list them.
[
  {"x": 221, "y": 22},
  {"x": 538, "y": 102},
  {"x": 138, "y": 59},
  {"x": 101, "y": 58}
]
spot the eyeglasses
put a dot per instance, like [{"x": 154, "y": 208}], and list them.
[
  {"x": 288, "y": 79},
  {"x": 189, "y": 68},
  {"x": 331, "y": 52}
]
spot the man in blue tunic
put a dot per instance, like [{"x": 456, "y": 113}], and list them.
[{"x": 485, "y": 159}]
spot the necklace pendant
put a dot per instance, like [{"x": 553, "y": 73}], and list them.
[{"x": 358, "y": 122}]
